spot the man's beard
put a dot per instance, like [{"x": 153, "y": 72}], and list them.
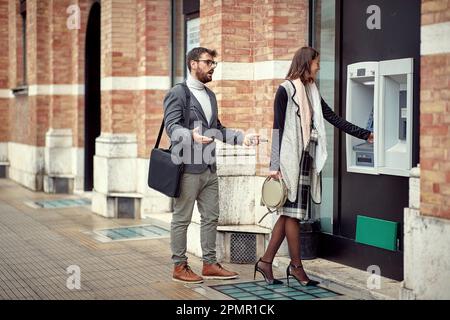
[{"x": 203, "y": 76}]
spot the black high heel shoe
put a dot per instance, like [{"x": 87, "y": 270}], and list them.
[
  {"x": 308, "y": 283},
  {"x": 272, "y": 281}
]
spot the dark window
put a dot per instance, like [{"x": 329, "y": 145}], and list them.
[{"x": 185, "y": 33}]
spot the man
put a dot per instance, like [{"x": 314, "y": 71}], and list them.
[{"x": 199, "y": 181}]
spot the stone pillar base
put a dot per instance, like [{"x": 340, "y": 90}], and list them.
[
  {"x": 26, "y": 170},
  {"x": 114, "y": 194},
  {"x": 119, "y": 206},
  {"x": 4, "y": 163},
  {"x": 406, "y": 294},
  {"x": 58, "y": 184},
  {"x": 4, "y": 170},
  {"x": 427, "y": 242},
  {"x": 59, "y": 164}
]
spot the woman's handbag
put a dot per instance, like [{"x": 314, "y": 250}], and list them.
[
  {"x": 273, "y": 195},
  {"x": 163, "y": 174}
]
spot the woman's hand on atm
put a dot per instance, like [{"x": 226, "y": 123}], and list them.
[{"x": 370, "y": 138}]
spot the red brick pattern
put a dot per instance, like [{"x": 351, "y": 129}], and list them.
[
  {"x": 134, "y": 47},
  {"x": 435, "y": 135},
  {"x": 280, "y": 28},
  {"x": 249, "y": 31},
  {"x": 154, "y": 59},
  {"x": 435, "y": 11}
]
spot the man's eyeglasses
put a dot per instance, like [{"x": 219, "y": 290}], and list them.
[{"x": 209, "y": 63}]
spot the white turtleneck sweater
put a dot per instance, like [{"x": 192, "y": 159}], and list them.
[{"x": 198, "y": 90}]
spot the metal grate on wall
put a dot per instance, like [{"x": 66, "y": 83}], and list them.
[{"x": 243, "y": 248}]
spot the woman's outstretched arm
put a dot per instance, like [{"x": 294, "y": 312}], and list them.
[{"x": 343, "y": 124}]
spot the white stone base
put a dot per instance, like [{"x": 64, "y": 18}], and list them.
[
  {"x": 4, "y": 152},
  {"x": 112, "y": 205},
  {"x": 4, "y": 163},
  {"x": 115, "y": 174},
  {"x": 115, "y": 163},
  {"x": 59, "y": 166},
  {"x": 406, "y": 294},
  {"x": 102, "y": 205},
  {"x": 426, "y": 258},
  {"x": 26, "y": 165},
  {"x": 78, "y": 166},
  {"x": 58, "y": 184}
]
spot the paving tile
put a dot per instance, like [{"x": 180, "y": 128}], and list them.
[{"x": 37, "y": 246}]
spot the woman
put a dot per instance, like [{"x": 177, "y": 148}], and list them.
[{"x": 299, "y": 152}]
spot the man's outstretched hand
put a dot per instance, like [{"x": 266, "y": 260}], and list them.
[
  {"x": 199, "y": 138},
  {"x": 251, "y": 139}
]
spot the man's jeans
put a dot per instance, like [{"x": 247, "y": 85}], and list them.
[{"x": 204, "y": 188}]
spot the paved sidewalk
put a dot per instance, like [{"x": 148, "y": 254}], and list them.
[{"x": 38, "y": 245}]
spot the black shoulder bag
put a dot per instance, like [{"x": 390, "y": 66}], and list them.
[{"x": 164, "y": 175}]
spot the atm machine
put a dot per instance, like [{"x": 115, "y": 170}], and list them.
[
  {"x": 362, "y": 110},
  {"x": 380, "y": 98}
]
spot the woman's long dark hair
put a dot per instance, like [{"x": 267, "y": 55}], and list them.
[{"x": 301, "y": 65}]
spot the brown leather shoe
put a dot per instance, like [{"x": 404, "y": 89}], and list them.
[
  {"x": 183, "y": 273},
  {"x": 216, "y": 271}
]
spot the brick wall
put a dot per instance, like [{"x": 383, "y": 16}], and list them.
[
  {"x": 252, "y": 31},
  {"x": 135, "y": 42},
  {"x": 131, "y": 47},
  {"x": 51, "y": 60},
  {"x": 435, "y": 119},
  {"x": 153, "y": 55}
]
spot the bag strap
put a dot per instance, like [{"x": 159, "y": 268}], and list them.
[
  {"x": 185, "y": 113},
  {"x": 270, "y": 211}
]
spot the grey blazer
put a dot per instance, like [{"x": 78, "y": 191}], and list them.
[{"x": 196, "y": 157}]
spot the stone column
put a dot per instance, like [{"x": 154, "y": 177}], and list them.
[
  {"x": 116, "y": 148},
  {"x": 62, "y": 158},
  {"x": 29, "y": 108},
  {"x": 115, "y": 193},
  {"x": 135, "y": 77}
]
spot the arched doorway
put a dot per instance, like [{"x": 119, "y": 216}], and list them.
[{"x": 92, "y": 100}]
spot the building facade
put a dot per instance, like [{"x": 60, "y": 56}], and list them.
[{"x": 82, "y": 84}]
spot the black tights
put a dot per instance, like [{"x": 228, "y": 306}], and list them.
[{"x": 289, "y": 228}]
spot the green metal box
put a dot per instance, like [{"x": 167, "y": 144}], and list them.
[{"x": 376, "y": 232}]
